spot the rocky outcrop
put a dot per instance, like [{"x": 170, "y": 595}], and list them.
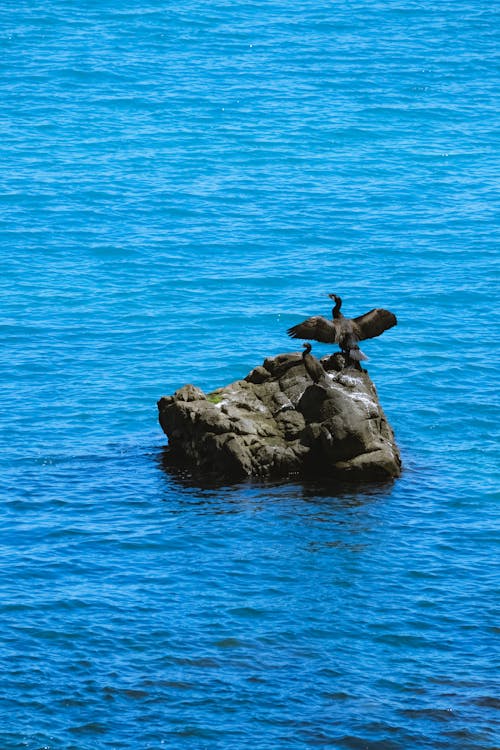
[{"x": 277, "y": 423}]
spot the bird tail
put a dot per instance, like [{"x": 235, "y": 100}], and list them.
[{"x": 356, "y": 354}]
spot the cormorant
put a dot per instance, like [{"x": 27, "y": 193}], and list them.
[
  {"x": 346, "y": 332},
  {"x": 313, "y": 366}
]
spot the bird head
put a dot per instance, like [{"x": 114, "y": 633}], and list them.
[{"x": 307, "y": 346}]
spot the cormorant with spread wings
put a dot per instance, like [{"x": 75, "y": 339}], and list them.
[{"x": 346, "y": 332}]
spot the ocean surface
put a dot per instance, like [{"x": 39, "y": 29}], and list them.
[{"x": 180, "y": 183}]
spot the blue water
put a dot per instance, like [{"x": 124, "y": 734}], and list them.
[{"x": 180, "y": 183}]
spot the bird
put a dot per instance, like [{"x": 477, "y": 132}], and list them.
[
  {"x": 313, "y": 366},
  {"x": 346, "y": 332}
]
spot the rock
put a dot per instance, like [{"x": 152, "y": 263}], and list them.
[{"x": 277, "y": 423}]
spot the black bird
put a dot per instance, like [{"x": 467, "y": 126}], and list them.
[
  {"x": 313, "y": 366},
  {"x": 346, "y": 332}
]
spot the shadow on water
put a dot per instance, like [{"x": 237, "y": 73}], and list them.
[{"x": 307, "y": 488}]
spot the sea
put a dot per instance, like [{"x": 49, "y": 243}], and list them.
[{"x": 179, "y": 184}]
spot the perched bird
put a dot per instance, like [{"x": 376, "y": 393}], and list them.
[
  {"x": 346, "y": 332},
  {"x": 313, "y": 366}
]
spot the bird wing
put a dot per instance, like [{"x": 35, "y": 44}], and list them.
[
  {"x": 316, "y": 328},
  {"x": 374, "y": 323}
]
